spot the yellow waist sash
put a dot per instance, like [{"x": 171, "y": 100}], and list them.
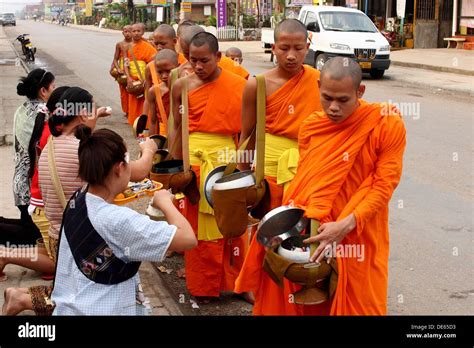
[
  {"x": 133, "y": 68},
  {"x": 281, "y": 158},
  {"x": 207, "y": 151}
]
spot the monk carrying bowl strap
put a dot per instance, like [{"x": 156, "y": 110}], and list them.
[
  {"x": 319, "y": 281},
  {"x": 177, "y": 175},
  {"x": 138, "y": 87},
  {"x": 231, "y": 205}
]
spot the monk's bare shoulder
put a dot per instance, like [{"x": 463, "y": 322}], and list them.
[{"x": 251, "y": 85}]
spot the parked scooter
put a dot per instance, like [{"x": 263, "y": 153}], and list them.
[{"x": 27, "y": 47}]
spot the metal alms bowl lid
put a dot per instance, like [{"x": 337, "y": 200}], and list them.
[
  {"x": 160, "y": 140},
  {"x": 139, "y": 125},
  {"x": 280, "y": 224},
  {"x": 211, "y": 179},
  {"x": 242, "y": 179}
]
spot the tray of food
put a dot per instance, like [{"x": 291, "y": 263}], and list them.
[{"x": 137, "y": 190}]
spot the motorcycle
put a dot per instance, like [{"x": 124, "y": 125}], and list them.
[{"x": 27, "y": 47}]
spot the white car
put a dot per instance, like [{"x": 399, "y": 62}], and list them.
[{"x": 340, "y": 31}]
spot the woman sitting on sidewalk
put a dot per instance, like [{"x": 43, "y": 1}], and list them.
[
  {"x": 64, "y": 122},
  {"x": 37, "y": 87},
  {"x": 36, "y": 258},
  {"x": 102, "y": 244}
]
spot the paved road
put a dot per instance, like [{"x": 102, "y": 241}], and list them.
[{"x": 431, "y": 262}]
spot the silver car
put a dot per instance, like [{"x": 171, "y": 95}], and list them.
[{"x": 8, "y": 19}]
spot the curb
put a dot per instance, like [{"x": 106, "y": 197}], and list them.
[
  {"x": 433, "y": 68},
  {"x": 161, "y": 299},
  {"x": 7, "y": 139},
  {"x": 23, "y": 64}
]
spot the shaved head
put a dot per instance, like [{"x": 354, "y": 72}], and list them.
[
  {"x": 165, "y": 29},
  {"x": 127, "y": 27},
  {"x": 339, "y": 68},
  {"x": 189, "y": 32},
  {"x": 340, "y": 88},
  {"x": 140, "y": 26},
  {"x": 204, "y": 38},
  {"x": 184, "y": 25},
  {"x": 292, "y": 26},
  {"x": 233, "y": 51},
  {"x": 167, "y": 54}
]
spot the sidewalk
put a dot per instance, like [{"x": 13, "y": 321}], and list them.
[
  {"x": 10, "y": 71},
  {"x": 161, "y": 301},
  {"x": 440, "y": 59}
]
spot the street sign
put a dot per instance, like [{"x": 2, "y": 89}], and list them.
[
  {"x": 88, "y": 8},
  {"x": 159, "y": 14},
  {"x": 185, "y": 7},
  {"x": 221, "y": 13},
  {"x": 401, "y": 4}
]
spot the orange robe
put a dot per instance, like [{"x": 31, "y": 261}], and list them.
[
  {"x": 123, "y": 98},
  {"x": 352, "y": 167},
  {"x": 163, "y": 123},
  {"x": 143, "y": 51},
  {"x": 230, "y": 65},
  {"x": 213, "y": 265},
  {"x": 166, "y": 104},
  {"x": 181, "y": 59},
  {"x": 166, "y": 99},
  {"x": 286, "y": 109}
]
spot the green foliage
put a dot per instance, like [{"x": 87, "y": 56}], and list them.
[
  {"x": 151, "y": 25},
  {"x": 212, "y": 21},
  {"x": 249, "y": 21}
]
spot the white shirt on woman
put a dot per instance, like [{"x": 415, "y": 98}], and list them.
[{"x": 132, "y": 237}]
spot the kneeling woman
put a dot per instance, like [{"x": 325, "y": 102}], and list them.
[{"x": 101, "y": 244}]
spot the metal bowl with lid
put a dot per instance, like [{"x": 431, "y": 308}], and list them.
[
  {"x": 280, "y": 224},
  {"x": 214, "y": 175},
  {"x": 235, "y": 181}
]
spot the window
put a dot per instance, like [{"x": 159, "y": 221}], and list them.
[
  {"x": 310, "y": 18},
  {"x": 346, "y": 21}
]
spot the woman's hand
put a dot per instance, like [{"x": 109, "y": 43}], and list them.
[
  {"x": 148, "y": 145},
  {"x": 162, "y": 199},
  {"x": 104, "y": 111}
]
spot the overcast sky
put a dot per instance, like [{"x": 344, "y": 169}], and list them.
[{"x": 15, "y": 5}]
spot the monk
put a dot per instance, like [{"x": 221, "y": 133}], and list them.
[
  {"x": 350, "y": 163},
  {"x": 214, "y": 264},
  {"x": 144, "y": 53},
  {"x": 291, "y": 95},
  {"x": 118, "y": 63},
  {"x": 235, "y": 54},
  {"x": 187, "y": 32},
  {"x": 226, "y": 63},
  {"x": 234, "y": 66},
  {"x": 165, "y": 61},
  {"x": 164, "y": 36}
]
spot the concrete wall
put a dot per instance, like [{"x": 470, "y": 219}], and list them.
[{"x": 426, "y": 34}]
